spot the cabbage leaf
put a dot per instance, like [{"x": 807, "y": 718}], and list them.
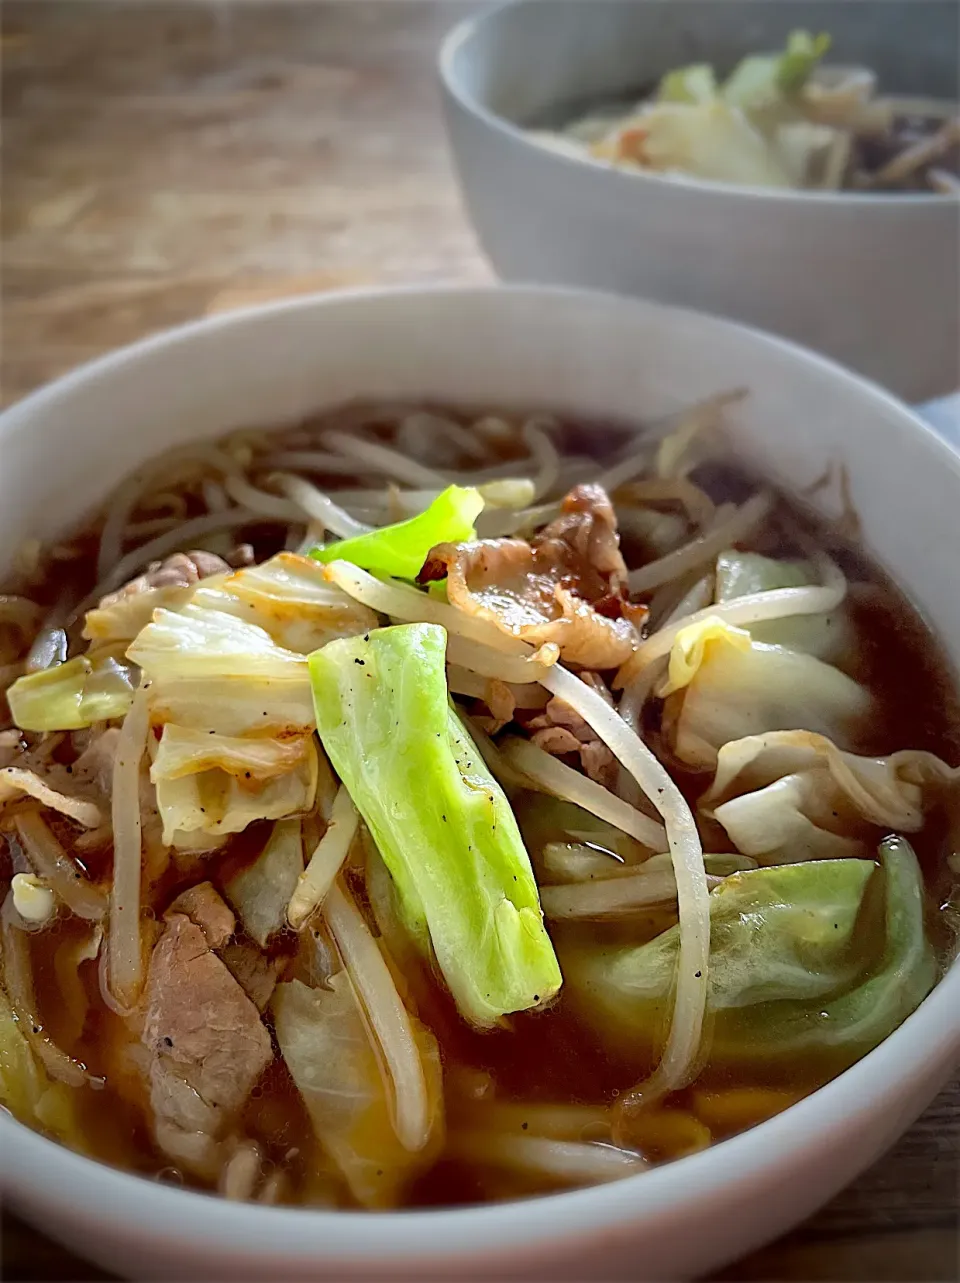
[
  {"x": 198, "y": 642},
  {"x": 121, "y": 619},
  {"x": 791, "y": 795},
  {"x": 401, "y": 549},
  {"x": 97, "y": 687},
  {"x": 261, "y": 891},
  {"x": 695, "y": 83},
  {"x": 443, "y": 825},
  {"x": 749, "y": 130},
  {"x": 741, "y": 573},
  {"x": 709, "y": 140},
  {"x": 26, "y": 1089},
  {"x": 829, "y": 636},
  {"x": 183, "y": 751},
  {"x": 237, "y": 718},
  {"x": 290, "y": 599},
  {"x": 215, "y": 801},
  {"x": 721, "y": 686},
  {"x": 792, "y": 964},
  {"x": 256, "y": 625},
  {"x": 762, "y": 80},
  {"x": 259, "y": 706},
  {"x": 327, "y": 1048}
]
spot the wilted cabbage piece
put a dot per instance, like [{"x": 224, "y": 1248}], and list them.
[
  {"x": 216, "y": 801},
  {"x": 792, "y": 795},
  {"x": 711, "y": 140},
  {"x": 91, "y": 688},
  {"x": 183, "y": 751},
  {"x": 790, "y": 965},
  {"x": 260, "y": 892},
  {"x": 289, "y": 597},
  {"x": 758, "y": 81},
  {"x": 243, "y": 750},
  {"x": 741, "y": 573},
  {"x": 761, "y": 80},
  {"x": 442, "y": 823},
  {"x": 262, "y": 707},
  {"x": 829, "y": 636},
  {"x": 122, "y": 615},
  {"x": 327, "y": 1048},
  {"x": 905, "y": 974},
  {"x": 399, "y": 550},
  {"x": 27, "y": 1091},
  {"x": 760, "y": 127},
  {"x": 695, "y": 83},
  {"x": 198, "y": 642},
  {"x": 722, "y": 685}
]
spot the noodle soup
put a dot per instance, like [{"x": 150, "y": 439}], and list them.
[{"x": 419, "y": 806}]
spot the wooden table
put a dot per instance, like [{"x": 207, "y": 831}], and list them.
[{"x": 162, "y": 161}]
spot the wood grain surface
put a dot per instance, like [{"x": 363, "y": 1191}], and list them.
[{"x": 162, "y": 161}]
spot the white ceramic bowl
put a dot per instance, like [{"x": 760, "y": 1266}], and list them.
[
  {"x": 870, "y": 279},
  {"x": 64, "y": 447}
]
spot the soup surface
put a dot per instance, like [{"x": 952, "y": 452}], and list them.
[{"x": 421, "y": 806}]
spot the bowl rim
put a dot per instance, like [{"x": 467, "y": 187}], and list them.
[
  {"x": 468, "y": 28},
  {"x": 41, "y": 1172}
]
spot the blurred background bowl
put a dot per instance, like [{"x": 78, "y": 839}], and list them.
[{"x": 871, "y": 279}]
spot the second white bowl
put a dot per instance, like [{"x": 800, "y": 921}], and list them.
[{"x": 870, "y": 279}]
